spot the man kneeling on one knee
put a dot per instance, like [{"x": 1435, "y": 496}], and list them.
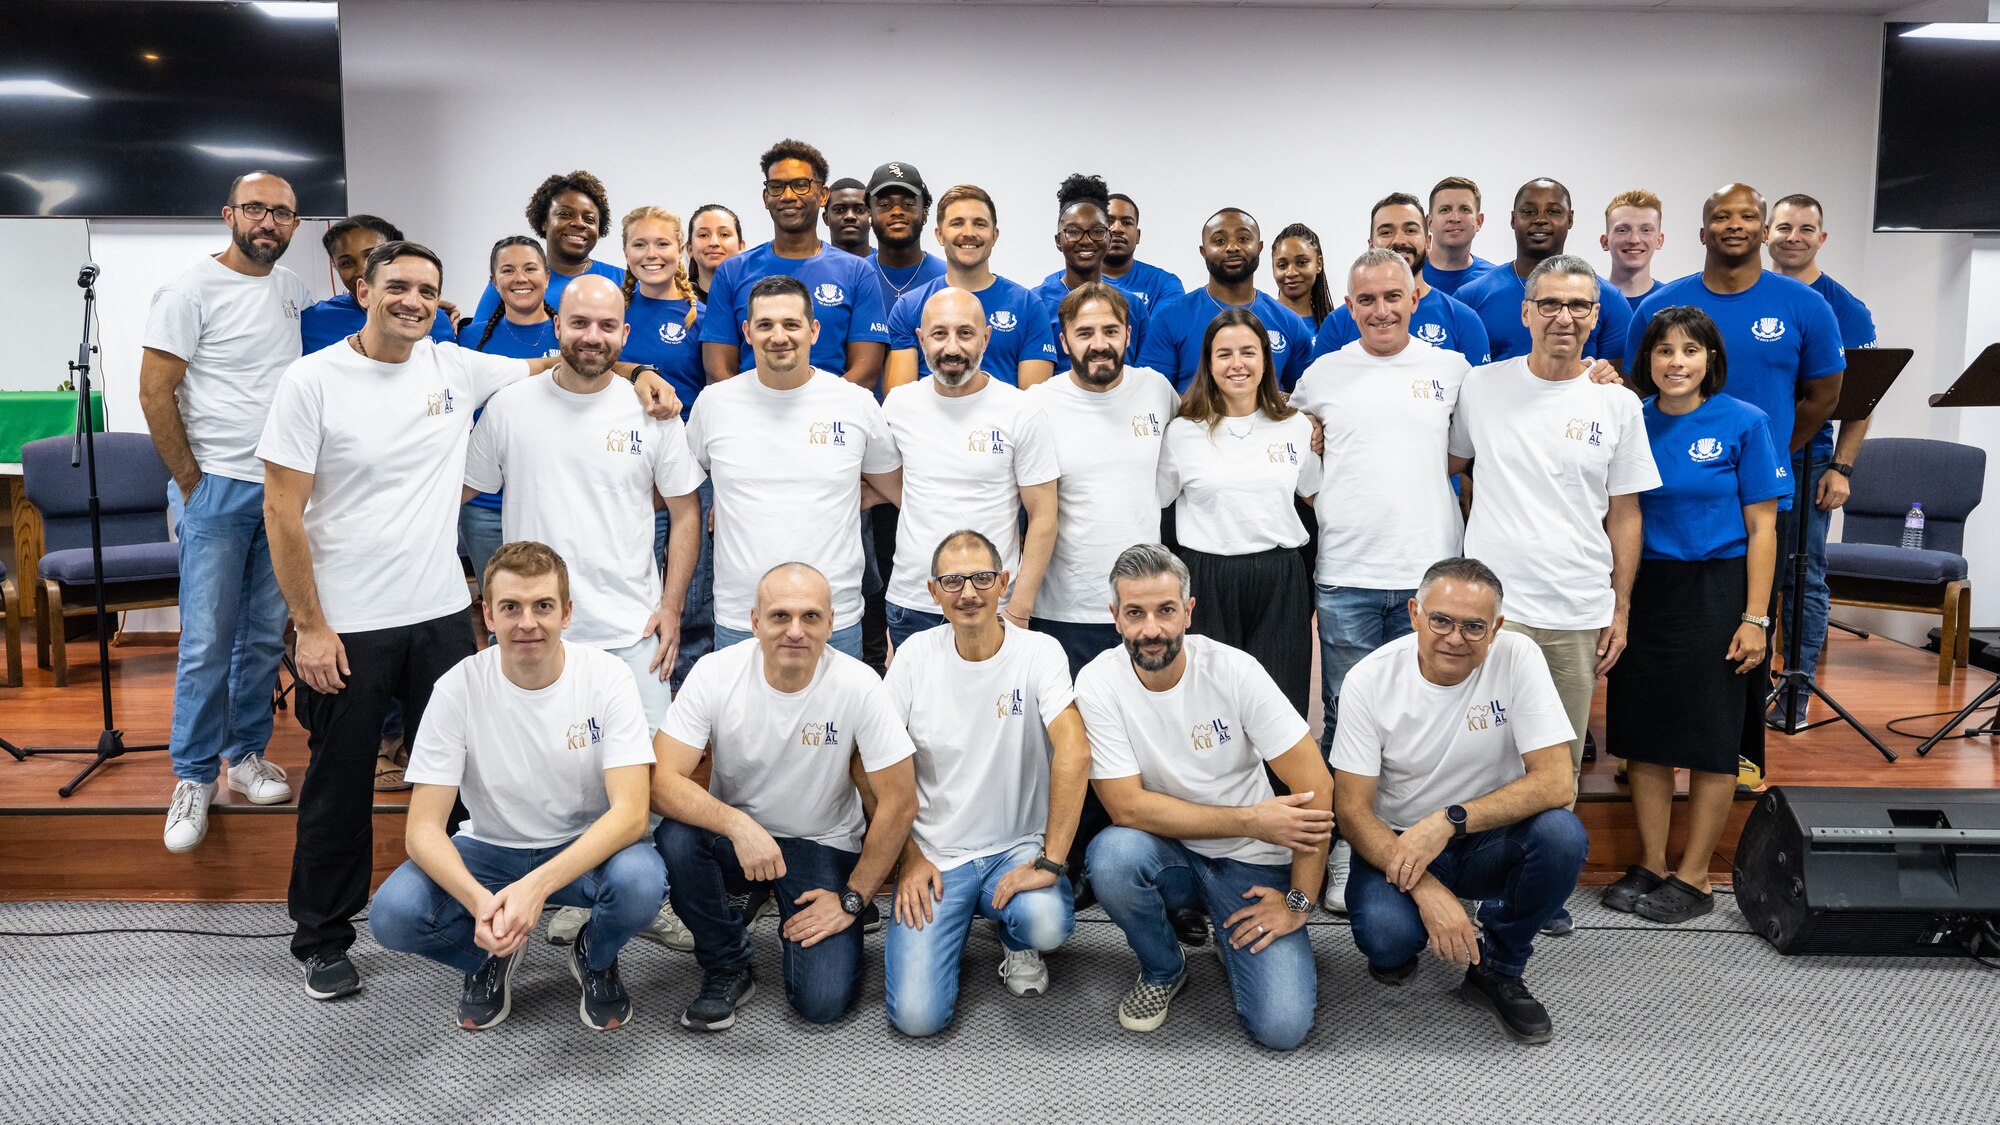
[
  {"x": 1181, "y": 728},
  {"x": 1451, "y": 775},
  {"x": 546, "y": 744}
]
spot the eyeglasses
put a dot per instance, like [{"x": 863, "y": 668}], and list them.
[
  {"x": 980, "y": 579},
  {"x": 255, "y": 212},
  {"x": 1084, "y": 234},
  {"x": 801, "y": 187},
  {"x": 1472, "y": 629},
  {"x": 1549, "y": 307}
]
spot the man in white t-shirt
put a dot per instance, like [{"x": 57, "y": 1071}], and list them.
[
  {"x": 216, "y": 340},
  {"x": 997, "y": 794},
  {"x": 545, "y": 743},
  {"x": 791, "y": 726},
  {"x": 976, "y": 453},
  {"x": 1181, "y": 729},
  {"x": 364, "y": 463},
  {"x": 1452, "y": 777},
  {"x": 789, "y": 449}
]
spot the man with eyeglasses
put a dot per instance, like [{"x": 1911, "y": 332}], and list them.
[
  {"x": 1147, "y": 284},
  {"x": 1001, "y": 765},
  {"x": 1083, "y": 234},
  {"x": 217, "y": 339},
  {"x": 1232, "y": 246},
  {"x": 853, "y": 327},
  {"x": 1541, "y": 219},
  {"x": 1451, "y": 774},
  {"x": 1438, "y": 318},
  {"x": 898, "y": 204},
  {"x": 976, "y": 453}
]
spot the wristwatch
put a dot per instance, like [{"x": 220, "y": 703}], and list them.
[
  {"x": 852, "y": 902},
  {"x": 1456, "y": 815},
  {"x": 1843, "y": 468},
  {"x": 1044, "y": 863},
  {"x": 1298, "y": 902},
  {"x": 1760, "y": 622},
  {"x": 638, "y": 367}
]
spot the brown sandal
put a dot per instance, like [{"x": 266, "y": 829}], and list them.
[{"x": 389, "y": 770}]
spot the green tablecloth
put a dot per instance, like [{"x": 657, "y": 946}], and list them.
[{"x": 28, "y": 415}]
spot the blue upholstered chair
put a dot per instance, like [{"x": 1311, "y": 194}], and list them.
[
  {"x": 1869, "y": 567},
  {"x": 141, "y": 565}
]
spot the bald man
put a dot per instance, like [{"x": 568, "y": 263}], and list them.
[
  {"x": 790, "y": 725},
  {"x": 976, "y": 452}
]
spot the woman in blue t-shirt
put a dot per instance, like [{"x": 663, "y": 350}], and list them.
[
  {"x": 1300, "y": 271},
  {"x": 522, "y": 326},
  {"x": 1690, "y": 686}
]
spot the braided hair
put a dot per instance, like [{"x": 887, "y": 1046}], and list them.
[
  {"x": 681, "y": 283},
  {"x": 492, "y": 264},
  {"x": 1322, "y": 295}
]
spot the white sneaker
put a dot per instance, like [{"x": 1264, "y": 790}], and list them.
[
  {"x": 187, "y": 816},
  {"x": 1024, "y": 972},
  {"x": 666, "y": 929},
  {"x": 1338, "y": 861},
  {"x": 259, "y": 781},
  {"x": 563, "y": 927}
]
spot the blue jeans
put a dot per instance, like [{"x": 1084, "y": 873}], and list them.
[
  {"x": 846, "y": 640},
  {"x": 1818, "y": 601},
  {"x": 698, "y": 611},
  {"x": 478, "y": 537},
  {"x": 922, "y": 964},
  {"x": 411, "y": 913},
  {"x": 907, "y": 623},
  {"x": 232, "y": 628},
  {"x": 1139, "y": 877},
  {"x": 1353, "y": 622},
  {"x": 702, "y": 872},
  {"x": 1081, "y": 641},
  {"x": 1525, "y": 872}
]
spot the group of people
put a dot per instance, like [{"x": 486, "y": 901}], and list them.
[{"x": 761, "y": 535}]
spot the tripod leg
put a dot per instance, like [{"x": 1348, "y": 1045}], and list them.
[
  {"x": 1951, "y": 724},
  {"x": 1807, "y": 683}
]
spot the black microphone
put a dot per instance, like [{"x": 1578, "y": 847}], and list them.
[{"x": 87, "y": 276}]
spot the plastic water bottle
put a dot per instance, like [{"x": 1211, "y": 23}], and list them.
[{"x": 1913, "y": 528}]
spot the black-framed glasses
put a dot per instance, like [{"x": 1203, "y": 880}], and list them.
[
  {"x": 1084, "y": 234},
  {"x": 801, "y": 187},
  {"x": 980, "y": 579},
  {"x": 1549, "y": 307},
  {"x": 255, "y": 212},
  {"x": 1472, "y": 628}
]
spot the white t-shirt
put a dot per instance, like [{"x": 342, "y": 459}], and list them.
[
  {"x": 238, "y": 334},
  {"x": 1108, "y": 451},
  {"x": 1548, "y": 457},
  {"x": 965, "y": 461},
  {"x": 579, "y": 472},
  {"x": 1232, "y": 486},
  {"x": 780, "y": 758},
  {"x": 529, "y": 765},
  {"x": 385, "y": 443},
  {"x": 1433, "y": 746},
  {"x": 787, "y": 469},
  {"x": 982, "y": 737},
  {"x": 1204, "y": 740},
  {"x": 1386, "y": 510}
]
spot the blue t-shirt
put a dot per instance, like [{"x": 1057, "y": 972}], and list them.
[
  {"x": 1714, "y": 461},
  {"x": 846, "y": 295},
  {"x": 1018, "y": 318},
  {"x": 896, "y": 281},
  {"x": 1857, "y": 330},
  {"x": 1451, "y": 281},
  {"x": 336, "y": 318},
  {"x": 1778, "y": 335},
  {"x": 1138, "y": 313},
  {"x": 532, "y": 341},
  {"x": 662, "y": 336},
  {"x": 1175, "y": 331},
  {"x": 490, "y": 300},
  {"x": 1497, "y": 298},
  {"x": 1441, "y": 320},
  {"x": 1148, "y": 284},
  {"x": 1635, "y": 302}
]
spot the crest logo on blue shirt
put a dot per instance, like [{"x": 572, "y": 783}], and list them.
[
  {"x": 673, "y": 332},
  {"x": 1768, "y": 329},
  {"x": 829, "y": 294},
  {"x": 1002, "y": 321},
  {"x": 1432, "y": 334},
  {"x": 1705, "y": 449},
  {"x": 1008, "y": 703},
  {"x": 1277, "y": 341},
  {"x": 438, "y": 402},
  {"x": 819, "y": 734}
]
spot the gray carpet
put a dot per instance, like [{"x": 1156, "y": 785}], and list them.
[{"x": 1651, "y": 1026}]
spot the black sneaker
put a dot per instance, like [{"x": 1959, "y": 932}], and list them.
[
  {"x": 714, "y": 1007},
  {"x": 489, "y": 993},
  {"x": 871, "y": 918},
  {"x": 1521, "y": 1016},
  {"x": 1395, "y": 976},
  {"x": 752, "y": 906},
  {"x": 1190, "y": 926},
  {"x": 1589, "y": 747},
  {"x": 330, "y": 975},
  {"x": 605, "y": 1005}
]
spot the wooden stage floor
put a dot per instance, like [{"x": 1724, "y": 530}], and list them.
[{"x": 104, "y": 843}]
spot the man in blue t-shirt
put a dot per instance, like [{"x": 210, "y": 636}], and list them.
[
  {"x": 1083, "y": 236},
  {"x": 1148, "y": 285},
  {"x": 569, "y": 213},
  {"x": 1020, "y": 348},
  {"x": 1439, "y": 319},
  {"x": 1454, "y": 221},
  {"x": 1231, "y": 247},
  {"x": 845, "y": 291},
  {"x": 898, "y": 206},
  {"x": 347, "y": 243},
  {"x": 847, "y": 221},
  {"x": 1632, "y": 236},
  {"x": 1541, "y": 220}
]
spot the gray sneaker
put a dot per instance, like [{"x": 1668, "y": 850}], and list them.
[
  {"x": 666, "y": 929},
  {"x": 1145, "y": 1007}
]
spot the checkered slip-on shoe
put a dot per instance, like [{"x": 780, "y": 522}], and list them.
[{"x": 1145, "y": 1007}]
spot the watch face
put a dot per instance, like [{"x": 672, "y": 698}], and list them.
[
  {"x": 1298, "y": 902},
  {"x": 851, "y": 902}
]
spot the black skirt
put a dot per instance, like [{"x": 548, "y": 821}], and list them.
[
  {"x": 1262, "y": 604},
  {"x": 1672, "y": 700}
]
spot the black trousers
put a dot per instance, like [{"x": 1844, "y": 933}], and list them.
[
  {"x": 334, "y": 855},
  {"x": 1262, "y": 604}
]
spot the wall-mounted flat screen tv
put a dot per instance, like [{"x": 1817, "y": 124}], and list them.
[{"x": 1937, "y": 154}]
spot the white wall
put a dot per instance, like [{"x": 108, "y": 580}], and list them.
[{"x": 44, "y": 306}]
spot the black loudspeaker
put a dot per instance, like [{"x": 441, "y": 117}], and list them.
[{"x": 1870, "y": 872}]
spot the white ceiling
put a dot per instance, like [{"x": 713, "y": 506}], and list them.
[{"x": 1825, "y": 7}]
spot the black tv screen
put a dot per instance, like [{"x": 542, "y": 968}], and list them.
[
  {"x": 149, "y": 108},
  {"x": 1937, "y": 155}
]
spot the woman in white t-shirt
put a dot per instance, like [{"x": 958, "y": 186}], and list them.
[{"x": 1232, "y": 460}]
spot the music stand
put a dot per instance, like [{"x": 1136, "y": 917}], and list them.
[
  {"x": 1979, "y": 385},
  {"x": 1870, "y": 371}
]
